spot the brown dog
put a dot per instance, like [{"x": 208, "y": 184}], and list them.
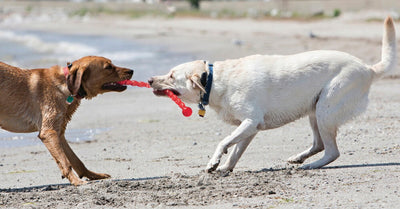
[{"x": 40, "y": 100}]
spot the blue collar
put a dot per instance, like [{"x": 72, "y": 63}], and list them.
[
  {"x": 206, "y": 96},
  {"x": 204, "y": 100}
]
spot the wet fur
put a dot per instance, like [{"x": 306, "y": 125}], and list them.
[{"x": 35, "y": 100}]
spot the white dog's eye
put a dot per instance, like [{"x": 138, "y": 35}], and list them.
[{"x": 171, "y": 76}]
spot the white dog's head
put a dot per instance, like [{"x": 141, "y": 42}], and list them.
[{"x": 183, "y": 80}]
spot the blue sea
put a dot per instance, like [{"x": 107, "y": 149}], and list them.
[{"x": 35, "y": 49}]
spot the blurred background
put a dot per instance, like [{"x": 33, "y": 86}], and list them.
[{"x": 151, "y": 36}]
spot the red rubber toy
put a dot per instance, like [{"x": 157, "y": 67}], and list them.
[
  {"x": 135, "y": 83},
  {"x": 186, "y": 111}
]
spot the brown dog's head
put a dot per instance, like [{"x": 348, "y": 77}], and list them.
[
  {"x": 91, "y": 75},
  {"x": 183, "y": 80}
]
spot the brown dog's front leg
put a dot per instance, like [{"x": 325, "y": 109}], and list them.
[
  {"x": 77, "y": 164},
  {"x": 51, "y": 140}
]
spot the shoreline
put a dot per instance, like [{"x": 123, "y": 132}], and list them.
[{"x": 223, "y": 39}]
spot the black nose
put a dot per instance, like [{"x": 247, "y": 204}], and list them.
[
  {"x": 151, "y": 81},
  {"x": 130, "y": 72}
]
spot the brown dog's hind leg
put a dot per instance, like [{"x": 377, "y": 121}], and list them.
[
  {"x": 52, "y": 142},
  {"x": 77, "y": 164}
]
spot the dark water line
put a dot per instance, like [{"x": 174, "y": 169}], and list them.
[{"x": 9, "y": 140}]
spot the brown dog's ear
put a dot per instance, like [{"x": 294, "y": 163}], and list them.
[
  {"x": 197, "y": 83},
  {"x": 74, "y": 78}
]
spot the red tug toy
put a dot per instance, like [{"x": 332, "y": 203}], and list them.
[{"x": 186, "y": 111}]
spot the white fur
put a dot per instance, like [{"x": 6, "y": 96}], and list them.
[{"x": 264, "y": 92}]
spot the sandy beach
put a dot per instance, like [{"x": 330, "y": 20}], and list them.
[{"x": 157, "y": 157}]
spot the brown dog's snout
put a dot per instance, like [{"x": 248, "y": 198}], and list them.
[
  {"x": 130, "y": 72},
  {"x": 127, "y": 73}
]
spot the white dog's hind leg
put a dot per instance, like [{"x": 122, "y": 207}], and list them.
[
  {"x": 246, "y": 129},
  {"x": 345, "y": 97},
  {"x": 329, "y": 113},
  {"x": 331, "y": 150},
  {"x": 235, "y": 155},
  {"x": 317, "y": 146}
]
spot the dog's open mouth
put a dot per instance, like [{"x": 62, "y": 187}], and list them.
[
  {"x": 113, "y": 86},
  {"x": 159, "y": 92}
]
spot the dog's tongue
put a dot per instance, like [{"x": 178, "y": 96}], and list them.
[{"x": 160, "y": 92}]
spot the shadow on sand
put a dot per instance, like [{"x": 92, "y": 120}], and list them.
[
  {"x": 51, "y": 187},
  {"x": 362, "y": 165},
  {"x": 331, "y": 167}
]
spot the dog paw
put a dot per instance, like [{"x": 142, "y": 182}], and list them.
[
  {"x": 104, "y": 176},
  {"x": 223, "y": 173},
  {"x": 225, "y": 168},
  {"x": 295, "y": 160},
  {"x": 309, "y": 167},
  {"x": 212, "y": 166},
  {"x": 95, "y": 176},
  {"x": 78, "y": 182}
]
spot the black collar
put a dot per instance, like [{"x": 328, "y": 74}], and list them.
[{"x": 206, "y": 81}]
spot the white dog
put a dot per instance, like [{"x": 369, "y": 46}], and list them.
[{"x": 264, "y": 92}]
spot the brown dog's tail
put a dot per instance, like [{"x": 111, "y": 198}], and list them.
[{"x": 388, "y": 60}]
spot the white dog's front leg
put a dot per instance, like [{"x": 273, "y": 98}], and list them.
[
  {"x": 246, "y": 129},
  {"x": 235, "y": 155}
]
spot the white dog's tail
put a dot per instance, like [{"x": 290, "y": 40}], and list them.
[{"x": 388, "y": 60}]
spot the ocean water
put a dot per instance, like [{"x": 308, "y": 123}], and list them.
[{"x": 34, "y": 49}]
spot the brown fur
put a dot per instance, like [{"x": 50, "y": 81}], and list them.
[{"x": 35, "y": 100}]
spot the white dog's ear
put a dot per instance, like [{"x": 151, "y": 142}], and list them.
[{"x": 197, "y": 83}]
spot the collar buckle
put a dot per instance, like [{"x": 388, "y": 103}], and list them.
[{"x": 202, "y": 110}]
